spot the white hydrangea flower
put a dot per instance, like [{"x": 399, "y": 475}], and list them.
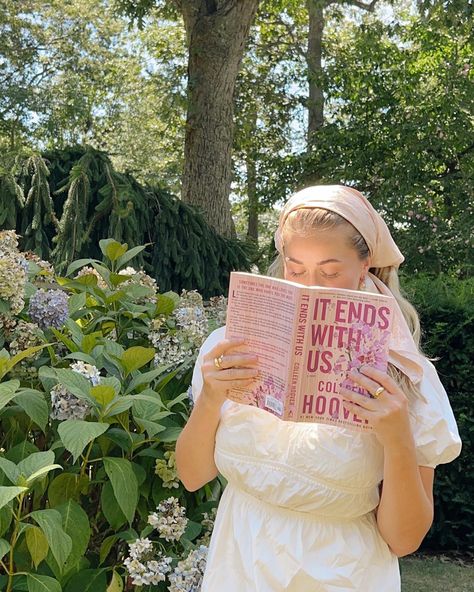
[
  {"x": 207, "y": 523},
  {"x": 171, "y": 350},
  {"x": 141, "y": 278},
  {"x": 169, "y": 520},
  {"x": 13, "y": 269},
  {"x": 140, "y": 547},
  {"x": 87, "y": 370},
  {"x": 143, "y": 566},
  {"x": 88, "y": 270},
  {"x": 188, "y": 574},
  {"x": 65, "y": 405}
]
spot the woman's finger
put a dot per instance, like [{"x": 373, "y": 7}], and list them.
[
  {"x": 364, "y": 381},
  {"x": 224, "y": 346},
  {"x": 362, "y": 400},
  {"x": 383, "y": 379}
]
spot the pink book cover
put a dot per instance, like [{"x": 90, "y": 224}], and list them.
[{"x": 307, "y": 340}]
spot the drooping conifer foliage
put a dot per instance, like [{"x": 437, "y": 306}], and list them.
[{"x": 63, "y": 202}]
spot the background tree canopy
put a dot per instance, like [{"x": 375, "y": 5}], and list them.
[{"x": 397, "y": 123}]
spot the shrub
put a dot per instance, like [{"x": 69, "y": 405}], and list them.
[
  {"x": 94, "y": 374},
  {"x": 446, "y": 308}
]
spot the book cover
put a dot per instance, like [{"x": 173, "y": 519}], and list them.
[{"x": 307, "y": 340}]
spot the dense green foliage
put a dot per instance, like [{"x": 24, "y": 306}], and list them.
[
  {"x": 63, "y": 202},
  {"x": 446, "y": 309},
  {"x": 93, "y": 395}
]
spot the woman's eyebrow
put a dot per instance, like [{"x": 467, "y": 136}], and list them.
[{"x": 318, "y": 263}]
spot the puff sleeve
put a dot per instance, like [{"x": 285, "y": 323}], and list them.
[
  {"x": 434, "y": 427},
  {"x": 196, "y": 381}
]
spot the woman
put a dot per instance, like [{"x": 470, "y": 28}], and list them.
[{"x": 311, "y": 507}]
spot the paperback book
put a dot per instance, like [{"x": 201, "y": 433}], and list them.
[{"x": 307, "y": 340}]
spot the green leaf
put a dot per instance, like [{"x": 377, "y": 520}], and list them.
[
  {"x": 106, "y": 547},
  {"x": 76, "y": 302},
  {"x": 34, "y": 405},
  {"x": 117, "y": 278},
  {"x": 37, "y": 583},
  {"x": 112, "y": 249},
  {"x": 150, "y": 427},
  {"x": 76, "y": 525},
  {"x": 10, "y": 469},
  {"x": 90, "y": 341},
  {"x": 37, "y": 464},
  {"x": 103, "y": 394},
  {"x": 130, "y": 254},
  {"x": 37, "y": 544},
  {"x": 146, "y": 377},
  {"x": 75, "y": 434},
  {"x": 110, "y": 508},
  {"x": 116, "y": 583},
  {"x": 193, "y": 529},
  {"x": 166, "y": 303},
  {"x": 136, "y": 357},
  {"x": 88, "y": 580},
  {"x": 48, "y": 377},
  {"x": 8, "y": 391},
  {"x": 60, "y": 543},
  {"x": 4, "y": 548},
  {"x": 25, "y": 354},
  {"x": 9, "y": 493},
  {"x": 124, "y": 484},
  {"x": 5, "y": 518},
  {"x": 64, "y": 487},
  {"x": 123, "y": 403},
  {"x": 78, "y": 355},
  {"x": 77, "y": 384},
  {"x": 78, "y": 264},
  {"x": 171, "y": 434}
]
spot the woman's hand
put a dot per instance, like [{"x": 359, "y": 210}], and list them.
[
  {"x": 227, "y": 365},
  {"x": 388, "y": 413}
]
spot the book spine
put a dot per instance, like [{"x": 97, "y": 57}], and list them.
[{"x": 297, "y": 356}]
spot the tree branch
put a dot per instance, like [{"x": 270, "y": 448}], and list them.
[{"x": 362, "y": 5}]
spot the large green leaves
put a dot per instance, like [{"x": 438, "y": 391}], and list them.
[
  {"x": 34, "y": 405},
  {"x": 76, "y": 434},
  {"x": 37, "y": 583},
  {"x": 60, "y": 543},
  {"x": 124, "y": 484},
  {"x": 9, "y": 493},
  {"x": 8, "y": 391},
  {"x": 36, "y": 465},
  {"x": 75, "y": 523},
  {"x": 136, "y": 357},
  {"x": 37, "y": 544}
]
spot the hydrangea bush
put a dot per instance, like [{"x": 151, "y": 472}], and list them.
[{"x": 95, "y": 368}]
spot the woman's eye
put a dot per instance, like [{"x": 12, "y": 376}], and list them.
[
  {"x": 294, "y": 274},
  {"x": 331, "y": 275}
]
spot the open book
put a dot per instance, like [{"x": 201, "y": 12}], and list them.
[{"x": 307, "y": 340}]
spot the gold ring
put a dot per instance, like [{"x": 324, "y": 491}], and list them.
[
  {"x": 218, "y": 362},
  {"x": 378, "y": 392}
]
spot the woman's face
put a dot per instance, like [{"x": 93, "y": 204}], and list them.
[{"x": 326, "y": 260}]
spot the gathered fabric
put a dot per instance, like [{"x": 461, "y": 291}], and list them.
[{"x": 297, "y": 513}]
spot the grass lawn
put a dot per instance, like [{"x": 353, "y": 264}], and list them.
[{"x": 436, "y": 574}]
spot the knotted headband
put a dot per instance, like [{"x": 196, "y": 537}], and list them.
[{"x": 356, "y": 209}]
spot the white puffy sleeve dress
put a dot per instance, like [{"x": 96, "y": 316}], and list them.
[{"x": 297, "y": 514}]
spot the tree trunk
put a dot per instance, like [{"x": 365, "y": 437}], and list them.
[
  {"x": 216, "y": 31},
  {"x": 252, "y": 229},
  {"x": 315, "y": 69}
]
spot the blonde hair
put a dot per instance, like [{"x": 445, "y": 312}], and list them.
[{"x": 306, "y": 222}]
